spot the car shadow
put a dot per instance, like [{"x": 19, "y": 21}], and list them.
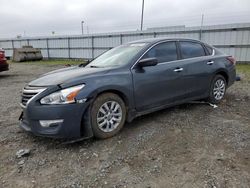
[
  {"x": 5, "y": 75},
  {"x": 163, "y": 112}
]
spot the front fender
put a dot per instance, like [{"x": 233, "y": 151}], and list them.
[
  {"x": 125, "y": 93},
  {"x": 120, "y": 83}
]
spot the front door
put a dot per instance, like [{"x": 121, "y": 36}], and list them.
[{"x": 159, "y": 85}]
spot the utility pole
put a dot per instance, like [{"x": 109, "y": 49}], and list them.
[
  {"x": 202, "y": 19},
  {"x": 82, "y": 22},
  {"x": 142, "y": 12}
]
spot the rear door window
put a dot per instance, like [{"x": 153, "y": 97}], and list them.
[
  {"x": 191, "y": 50},
  {"x": 209, "y": 49},
  {"x": 164, "y": 52}
]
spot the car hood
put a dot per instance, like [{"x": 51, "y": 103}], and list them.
[{"x": 64, "y": 75}]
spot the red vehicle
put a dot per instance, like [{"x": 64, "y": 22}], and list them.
[{"x": 4, "y": 66}]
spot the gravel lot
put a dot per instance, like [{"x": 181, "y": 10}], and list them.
[{"x": 191, "y": 145}]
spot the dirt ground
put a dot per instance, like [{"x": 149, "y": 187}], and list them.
[{"x": 191, "y": 145}]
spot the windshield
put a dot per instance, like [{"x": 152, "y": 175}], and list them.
[{"x": 118, "y": 56}]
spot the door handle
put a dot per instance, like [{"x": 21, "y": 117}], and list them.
[
  {"x": 210, "y": 62},
  {"x": 178, "y": 69}
]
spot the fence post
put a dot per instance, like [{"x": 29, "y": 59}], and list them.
[
  {"x": 69, "y": 47},
  {"x": 200, "y": 34},
  {"x": 12, "y": 43},
  {"x": 92, "y": 47},
  {"x": 120, "y": 38},
  {"x": 47, "y": 44}
]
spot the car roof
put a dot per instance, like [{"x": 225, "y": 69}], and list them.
[{"x": 156, "y": 40}]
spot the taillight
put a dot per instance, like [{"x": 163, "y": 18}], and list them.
[{"x": 231, "y": 59}]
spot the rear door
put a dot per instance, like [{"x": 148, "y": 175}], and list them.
[
  {"x": 161, "y": 84},
  {"x": 198, "y": 67}
]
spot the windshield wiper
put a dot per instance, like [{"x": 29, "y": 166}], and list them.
[
  {"x": 94, "y": 66},
  {"x": 85, "y": 63},
  {"x": 82, "y": 65}
]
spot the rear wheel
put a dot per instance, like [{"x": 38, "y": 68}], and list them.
[
  {"x": 108, "y": 114},
  {"x": 217, "y": 89}
]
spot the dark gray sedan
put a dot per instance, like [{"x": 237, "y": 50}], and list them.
[{"x": 125, "y": 82}]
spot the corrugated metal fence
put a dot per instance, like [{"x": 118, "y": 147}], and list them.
[{"x": 233, "y": 39}]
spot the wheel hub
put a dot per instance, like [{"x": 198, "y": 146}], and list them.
[{"x": 109, "y": 116}]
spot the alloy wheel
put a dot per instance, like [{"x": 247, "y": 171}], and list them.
[
  {"x": 109, "y": 116},
  {"x": 219, "y": 89}
]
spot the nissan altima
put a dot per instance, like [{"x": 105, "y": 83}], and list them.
[{"x": 125, "y": 82}]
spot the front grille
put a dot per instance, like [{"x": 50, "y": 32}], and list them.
[{"x": 29, "y": 92}]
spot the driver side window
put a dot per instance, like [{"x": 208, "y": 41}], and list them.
[{"x": 163, "y": 52}]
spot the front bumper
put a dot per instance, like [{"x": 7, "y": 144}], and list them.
[{"x": 70, "y": 128}]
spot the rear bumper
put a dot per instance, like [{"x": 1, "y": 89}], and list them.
[
  {"x": 69, "y": 128},
  {"x": 4, "y": 66}
]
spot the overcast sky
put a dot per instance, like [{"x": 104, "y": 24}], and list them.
[{"x": 41, "y": 17}]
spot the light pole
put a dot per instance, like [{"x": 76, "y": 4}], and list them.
[
  {"x": 202, "y": 19},
  {"x": 142, "y": 12},
  {"x": 82, "y": 22}
]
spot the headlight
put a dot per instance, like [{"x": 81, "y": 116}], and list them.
[{"x": 65, "y": 96}]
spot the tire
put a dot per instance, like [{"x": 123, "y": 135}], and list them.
[
  {"x": 108, "y": 115},
  {"x": 217, "y": 89}
]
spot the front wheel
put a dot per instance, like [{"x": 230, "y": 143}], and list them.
[
  {"x": 108, "y": 115},
  {"x": 217, "y": 89}
]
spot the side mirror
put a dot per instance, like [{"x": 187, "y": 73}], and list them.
[{"x": 148, "y": 62}]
